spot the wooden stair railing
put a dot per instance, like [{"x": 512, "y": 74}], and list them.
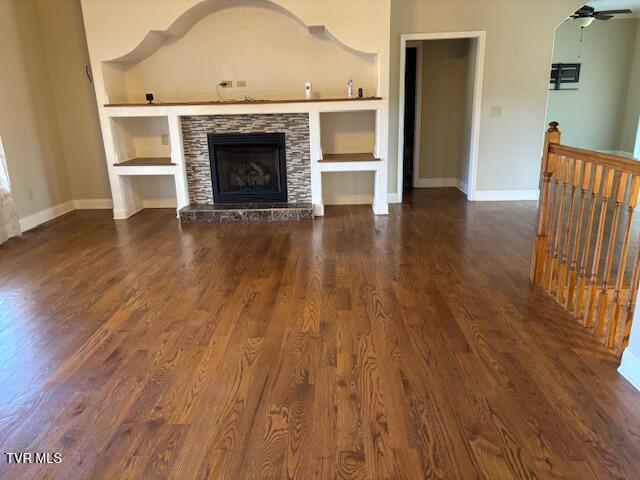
[{"x": 579, "y": 258}]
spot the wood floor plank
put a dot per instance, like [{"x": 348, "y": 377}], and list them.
[{"x": 408, "y": 346}]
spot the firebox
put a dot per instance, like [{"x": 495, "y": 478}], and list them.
[{"x": 248, "y": 167}]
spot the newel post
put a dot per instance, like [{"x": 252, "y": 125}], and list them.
[{"x": 540, "y": 242}]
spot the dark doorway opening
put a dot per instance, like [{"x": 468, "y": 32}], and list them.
[{"x": 409, "y": 116}]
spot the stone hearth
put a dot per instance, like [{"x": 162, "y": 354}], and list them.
[{"x": 246, "y": 212}]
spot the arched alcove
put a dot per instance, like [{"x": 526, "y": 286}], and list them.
[{"x": 255, "y": 41}]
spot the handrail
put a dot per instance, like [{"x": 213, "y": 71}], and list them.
[
  {"x": 587, "y": 199},
  {"x": 597, "y": 158}
]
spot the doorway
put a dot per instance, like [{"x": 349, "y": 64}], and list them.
[
  {"x": 410, "y": 107},
  {"x": 439, "y": 114}
]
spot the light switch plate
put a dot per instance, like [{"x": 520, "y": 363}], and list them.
[{"x": 496, "y": 111}]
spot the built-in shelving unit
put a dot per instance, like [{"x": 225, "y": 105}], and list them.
[
  {"x": 349, "y": 146},
  {"x": 344, "y": 139},
  {"x": 144, "y": 142},
  {"x": 141, "y": 141},
  {"x": 143, "y": 157}
]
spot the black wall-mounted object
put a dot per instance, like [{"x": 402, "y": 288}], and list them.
[
  {"x": 149, "y": 97},
  {"x": 248, "y": 167},
  {"x": 564, "y": 73},
  {"x": 87, "y": 71}
]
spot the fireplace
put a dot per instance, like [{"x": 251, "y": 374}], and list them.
[{"x": 248, "y": 167}]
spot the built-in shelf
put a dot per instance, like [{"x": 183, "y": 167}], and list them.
[
  {"x": 348, "y": 157},
  {"x": 146, "y": 162},
  {"x": 241, "y": 102}
]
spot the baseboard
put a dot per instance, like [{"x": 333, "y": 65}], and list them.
[
  {"x": 435, "y": 182},
  {"x": 356, "y": 199},
  {"x": 630, "y": 368},
  {"x": 93, "y": 204},
  {"x": 505, "y": 195},
  {"x": 38, "y": 218},
  {"x": 462, "y": 186},
  {"x": 159, "y": 203},
  {"x": 107, "y": 203}
]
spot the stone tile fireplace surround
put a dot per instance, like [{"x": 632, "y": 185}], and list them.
[{"x": 295, "y": 126}]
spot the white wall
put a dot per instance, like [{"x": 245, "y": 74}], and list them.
[
  {"x": 348, "y": 132},
  {"x": 347, "y": 188},
  {"x": 115, "y": 27},
  {"x": 592, "y": 116},
  {"x": 28, "y": 121},
  {"x": 270, "y": 51},
  {"x": 517, "y": 63},
  {"x": 49, "y": 120},
  {"x": 74, "y": 98},
  {"x": 632, "y": 109},
  {"x": 630, "y": 366}
]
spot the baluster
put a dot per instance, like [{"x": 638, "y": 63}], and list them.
[
  {"x": 597, "y": 253},
  {"x": 582, "y": 274},
  {"x": 565, "y": 177},
  {"x": 556, "y": 230},
  {"x": 622, "y": 264},
  {"x": 564, "y": 259},
  {"x": 573, "y": 273},
  {"x": 608, "y": 263},
  {"x": 553, "y": 230}
]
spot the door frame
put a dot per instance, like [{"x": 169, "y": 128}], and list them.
[{"x": 474, "y": 143}]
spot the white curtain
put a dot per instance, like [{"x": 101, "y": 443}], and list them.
[{"x": 9, "y": 224}]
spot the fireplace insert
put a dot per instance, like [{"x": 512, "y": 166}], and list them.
[{"x": 248, "y": 167}]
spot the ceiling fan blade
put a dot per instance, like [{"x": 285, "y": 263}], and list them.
[
  {"x": 613, "y": 12},
  {"x": 602, "y": 16},
  {"x": 585, "y": 10}
]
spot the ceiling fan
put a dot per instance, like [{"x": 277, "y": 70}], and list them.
[{"x": 586, "y": 15}]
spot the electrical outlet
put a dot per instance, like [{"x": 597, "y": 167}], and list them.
[
  {"x": 226, "y": 83},
  {"x": 241, "y": 83},
  {"x": 496, "y": 111},
  {"x": 164, "y": 139}
]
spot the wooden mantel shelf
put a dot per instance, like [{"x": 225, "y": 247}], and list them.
[
  {"x": 146, "y": 162},
  {"x": 240, "y": 102},
  {"x": 348, "y": 157}
]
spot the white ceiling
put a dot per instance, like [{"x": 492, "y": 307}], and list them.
[{"x": 617, "y": 4}]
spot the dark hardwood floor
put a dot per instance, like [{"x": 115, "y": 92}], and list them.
[{"x": 403, "y": 347}]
